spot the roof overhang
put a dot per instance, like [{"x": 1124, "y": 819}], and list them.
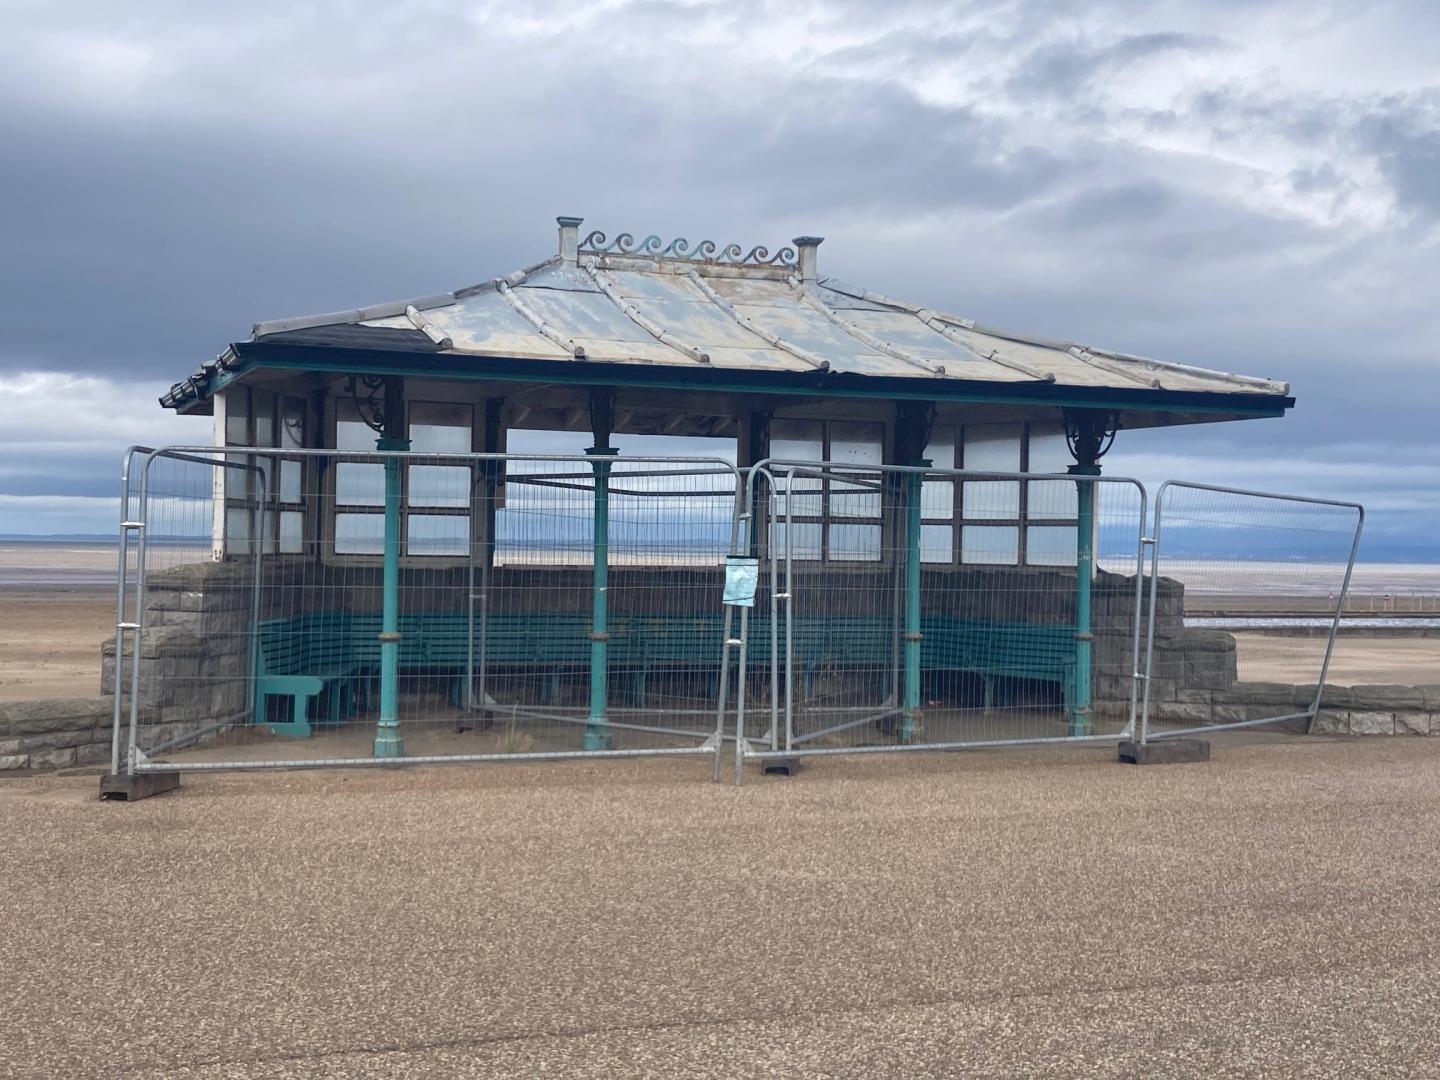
[{"x": 244, "y": 358}]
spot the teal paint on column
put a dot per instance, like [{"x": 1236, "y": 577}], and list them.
[
  {"x": 1084, "y": 578},
  {"x": 910, "y": 722},
  {"x": 597, "y": 730},
  {"x": 388, "y": 743}
]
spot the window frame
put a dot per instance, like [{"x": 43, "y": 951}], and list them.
[
  {"x": 1021, "y": 522},
  {"x": 242, "y": 495},
  {"x": 827, "y": 519},
  {"x": 335, "y": 508}
]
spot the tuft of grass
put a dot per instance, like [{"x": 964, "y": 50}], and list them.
[{"x": 516, "y": 742}]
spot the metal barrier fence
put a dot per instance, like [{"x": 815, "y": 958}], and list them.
[
  {"x": 293, "y": 607},
  {"x": 917, "y": 608},
  {"x": 1216, "y": 541},
  {"x": 297, "y": 607}
]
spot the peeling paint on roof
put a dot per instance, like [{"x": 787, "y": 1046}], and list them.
[{"x": 638, "y": 305}]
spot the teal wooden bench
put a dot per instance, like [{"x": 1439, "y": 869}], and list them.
[
  {"x": 337, "y": 654},
  {"x": 297, "y": 661}
]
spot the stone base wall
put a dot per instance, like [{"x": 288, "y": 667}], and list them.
[
  {"x": 1379, "y": 710},
  {"x": 195, "y": 663},
  {"x": 55, "y": 734}
]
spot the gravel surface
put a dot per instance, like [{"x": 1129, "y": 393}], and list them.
[{"x": 1275, "y": 912}]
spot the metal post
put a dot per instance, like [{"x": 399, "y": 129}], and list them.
[
  {"x": 911, "y": 719},
  {"x": 388, "y": 743},
  {"x": 1084, "y": 580},
  {"x": 597, "y": 732}
]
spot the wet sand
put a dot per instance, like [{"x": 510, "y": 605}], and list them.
[{"x": 50, "y": 641}]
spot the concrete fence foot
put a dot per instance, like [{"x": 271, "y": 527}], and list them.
[
  {"x": 785, "y": 766},
  {"x": 128, "y": 787},
  {"x": 1163, "y": 752}
]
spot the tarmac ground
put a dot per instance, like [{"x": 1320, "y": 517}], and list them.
[{"x": 1273, "y": 912}]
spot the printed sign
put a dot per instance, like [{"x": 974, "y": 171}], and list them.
[{"x": 740, "y": 576}]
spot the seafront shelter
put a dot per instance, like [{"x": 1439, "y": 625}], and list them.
[{"x": 390, "y": 446}]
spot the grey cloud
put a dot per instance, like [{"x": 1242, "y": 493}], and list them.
[
  {"x": 244, "y": 173},
  {"x": 1404, "y": 136},
  {"x": 1063, "y": 68}
]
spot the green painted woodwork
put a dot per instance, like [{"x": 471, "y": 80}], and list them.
[
  {"x": 597, "y": 732},
  {"x": 910, "y": 718},
  {"x": 1084, "y": 579},
  {"x": 339, "y": 653},
  {"x": 388, "y": 743}
]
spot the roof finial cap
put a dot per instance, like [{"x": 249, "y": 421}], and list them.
[
  {"x": 806, "y": 246},
  {"x": 569, "y": 237}
]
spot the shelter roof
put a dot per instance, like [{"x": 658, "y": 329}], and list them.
[{"x": 682, "y": 307}]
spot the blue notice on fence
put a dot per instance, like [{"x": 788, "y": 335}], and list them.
[{"x": 740, "y": 576}]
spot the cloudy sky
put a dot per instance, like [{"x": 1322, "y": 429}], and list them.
[{"x": 1239, "y": 184}]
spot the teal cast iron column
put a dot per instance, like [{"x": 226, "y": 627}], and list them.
[
  {"x": 1084, "y": 578},
  {"x": 388, "y": 743},
  {"x": 597, "y": 730},
  {"x": 910, "y": 723}
]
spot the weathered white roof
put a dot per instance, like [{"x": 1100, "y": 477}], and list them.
[{"x": 690, "y": 306}]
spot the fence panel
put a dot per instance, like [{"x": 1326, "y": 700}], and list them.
[
  {"x": 1223, "y": 549},
  {"x": 906, "y": 609},
  {"x": 543, "y": 606}
]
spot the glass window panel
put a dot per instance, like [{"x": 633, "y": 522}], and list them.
[
  {"x": 797, "y": 440},
  {"x": 292, "y": 532},
  {"x": 855, "y": 543},
  {"x": 292, "y": 423},
  {"x": 854, "y": 500},
  {"x": 359, "y": 534},
  {"x": 1048, "y": 450},
  {"x": 351, "y": 433},
  {"x": 360, "y": 483},
  {"x": 272, "y": 533},
  {"x": 804, "y": 495},
  {"x": 440, "y": 429},
  {"x": 994, "y": 544},
  {"x": 936, "y": 543},
  {"x": 438, "y": 534},
  {"x": 857, "y": 443},
  {"x": 937, "y": 499},
  {"x": 237, "y": 417},
  {"x": 439, "y": 485},
  {"x": 992, "y": 447},
  {"x": 804, "y": 540},
  {"x": 940, "y": 450},
  {"x": 1050, "y": 545},
  {"x": 991, "y": 499},
  {"x": 237, "y": 531},
  {"x": 290, "y": 474},
  {"x": 1050, "y": 500},
  {"x": 262, "y": 404}
]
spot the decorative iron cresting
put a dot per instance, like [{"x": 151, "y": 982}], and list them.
[{"x": 597, "y": 243}]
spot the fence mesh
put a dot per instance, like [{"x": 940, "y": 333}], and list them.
[
  {"x": 262, "y": 602},
  {"x": 990, "y": 621},
  {"x": 550, "y": 605},
  {"x": 1222, "y": 550}
]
